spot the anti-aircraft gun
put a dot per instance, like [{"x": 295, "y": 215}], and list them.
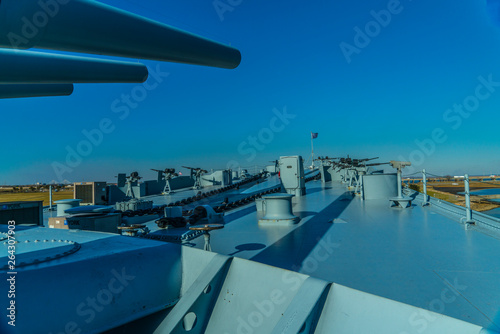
[
  {"x": 168, "y": 174},
  {"x": 353, "y": 169},
  {"x": 196, "y": 173},
  {"x": 132, "y": 179}
]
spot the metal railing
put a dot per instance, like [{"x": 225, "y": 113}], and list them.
[{"x": 459, "y": 213}]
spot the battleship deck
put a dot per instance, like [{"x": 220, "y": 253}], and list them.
[
  {"x": 420, "y": 256},
  {"x": 415, "y": 255}
]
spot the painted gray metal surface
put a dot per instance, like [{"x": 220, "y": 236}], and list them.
[
  {"x": 111, "y": 31},
  {"x": 57, "y": 25},
  {"x": 199, "y": 298},
  {"x": 147, "y": 188},
  {"x": 414, "y": 256},
  {"x": 326, "y": 173},
  {"x": 338, "y": 174},
  {"x": 467, "y": 199},
  {"x": 277, "y": 210},
  {"x": 29, "y": 212},
  {"x": 228, "y": 296},
  {"x": 34, "y": 90},
  {"x": 91, "y": 193},
  {"x": 270, "y": 182},
  {"x": 29, "y": 67},
  {"x": 373, "y": 211},
  {"x": 425, "y": 201},
  {"x": 482, "y": 221},
  {"x": 219, "y": 177},
  {"x": 89, "y": 209},
  {"x": 106, "y": 283},
  {"x": 65, "y": 204},
  {"x": 421, "y": 256},
  {"x": 351, "y": 311},
  {"x": 380, "y": 186},
  {"x": 292, "y": 175}
]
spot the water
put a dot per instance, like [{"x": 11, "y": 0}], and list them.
[
  {"x": 490, "y": 191},
  {"x": 483, "y": 192},
  {"x": 494, "y": 213}
]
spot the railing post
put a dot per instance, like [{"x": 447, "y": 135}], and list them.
[
  {"x": 468, "y": 210},
  {"x": 361, "y": 192},
  {"x": 400, "y": 185},
  {"x": 424, "y": 181},
  {"x": 50, "y": 198}
]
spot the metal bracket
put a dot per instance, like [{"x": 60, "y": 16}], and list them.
[
  {"x": 402, "y": 202},
  {"x": 195, "y": 307},
  {"x": 303, "y": 313},
  {"x": 468, "y": 224}
]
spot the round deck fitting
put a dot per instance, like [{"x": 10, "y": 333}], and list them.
[
  {"x": 65, "y": 204},
  {"x": 278, "y": 210},
  {"x": 206, "y": 228}
]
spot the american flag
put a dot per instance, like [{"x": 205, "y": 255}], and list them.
[{"x": 314, "y": 135}]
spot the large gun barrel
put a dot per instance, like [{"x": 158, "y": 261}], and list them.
[
  {"x": 91, "y": 27},
  {"x": 34, "y": 90},
  {"x": 26, "y": 67}
]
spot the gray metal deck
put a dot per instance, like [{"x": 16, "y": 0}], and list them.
[
  {"x": 420, "y": 256},
  {"x": 415, "y": 255}
]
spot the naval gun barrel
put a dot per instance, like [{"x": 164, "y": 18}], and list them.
[
  {"x": 92, "y": 27},
  {"x": 26, "y": 67},
  {"x": 34, "y": 90}
]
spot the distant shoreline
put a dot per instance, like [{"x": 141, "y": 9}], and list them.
[
  {"x": 457, "y": 190},
  {"x": 35, "y": 196},
  {"x": 450, "y": 192}
]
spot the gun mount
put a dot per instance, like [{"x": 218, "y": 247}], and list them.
[
  {"x": 168, "y": 174},
  {"x": 196, "y": 173}
]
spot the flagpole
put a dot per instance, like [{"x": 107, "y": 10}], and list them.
[{"x": 312, "y": 151}]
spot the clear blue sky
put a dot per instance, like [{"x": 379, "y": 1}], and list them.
[{"x": 378, "y": 100}]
